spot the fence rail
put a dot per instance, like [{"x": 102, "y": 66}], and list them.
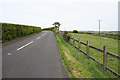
[
  {"x": 104, "y": 51},
  {"x": 113, "y": 55}
]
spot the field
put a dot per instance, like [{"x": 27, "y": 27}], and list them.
[
  {"x": 108, "y": 34},
  {"x": 103, "y": 32},
  {"x": 76, "y": 63},
  {"x": 99, "y": 42}
]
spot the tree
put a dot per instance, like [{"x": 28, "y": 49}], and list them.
[
  {"x": 57, "y": 24},
  {"x": 75, "y": 31}
]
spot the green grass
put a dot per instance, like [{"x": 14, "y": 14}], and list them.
[
  {"x": 108, "y": 34},
  {"x": 99, "y": 42},
  {"x": 77, "y": 65}
]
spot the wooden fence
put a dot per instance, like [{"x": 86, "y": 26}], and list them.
[{"x": 104, "y": 51}]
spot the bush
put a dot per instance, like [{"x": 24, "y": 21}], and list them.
[
  {"x": 66, "y": 36},
  {"x": 75, "y": 31}
]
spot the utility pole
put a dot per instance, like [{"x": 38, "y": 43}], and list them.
[{"x": 99, "y": 26}]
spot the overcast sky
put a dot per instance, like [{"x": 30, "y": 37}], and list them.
[{"x": 72, "y": 14}]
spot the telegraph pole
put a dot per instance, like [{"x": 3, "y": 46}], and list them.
[{"x": 99, "y": 26}]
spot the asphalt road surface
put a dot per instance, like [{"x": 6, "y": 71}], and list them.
[{"x": 36, "y": 56}]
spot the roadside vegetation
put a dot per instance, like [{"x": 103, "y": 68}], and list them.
[
  {"x": 77, "y": 64},
  {"x": 99, "y": 42},
  {"x": 13, "y": 31}
]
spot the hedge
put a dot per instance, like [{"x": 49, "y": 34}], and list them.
[{"x": 12, "y": 31}]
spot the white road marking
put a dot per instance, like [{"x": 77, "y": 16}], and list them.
[
  {"x": 41, "y": 36},
  {"x": 38, "y": 38},
  {"x": 25, "y": 45},
  {"x": 28, "y": 43},
  {"x": 9, "y": 54}
]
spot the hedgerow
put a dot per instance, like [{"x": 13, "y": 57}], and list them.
[{"x": 12, "y": 31}]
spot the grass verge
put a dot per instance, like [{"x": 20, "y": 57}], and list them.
[{"x": 77, "y": 65}]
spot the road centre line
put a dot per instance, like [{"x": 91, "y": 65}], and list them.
[
  {"x": 40, "y": 36},
  {"x": 29, "y": 43},
  {"x": 25, "y": 45}
]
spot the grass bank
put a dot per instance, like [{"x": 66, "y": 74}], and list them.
[{"x": 77, "y": 65}]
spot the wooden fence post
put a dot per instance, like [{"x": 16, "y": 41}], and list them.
[
  {"x": 79, "y": 44},
  {"x": 73, "y": 41},
  {"x": 70, "y": 39},
  {"x": 88, "y": 49},
  {"x": 105, "y": 58}
]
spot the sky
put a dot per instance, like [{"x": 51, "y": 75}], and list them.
[{"x": 81, "y": 15}]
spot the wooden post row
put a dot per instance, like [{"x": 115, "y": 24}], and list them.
[
  {"x": 79, "y": 44},
  {"x": 105, "y": 58},
  {"x": 70, "y": 39},
  {"x": 87, "y": 49},
  {"x": 73, "y": 41}
]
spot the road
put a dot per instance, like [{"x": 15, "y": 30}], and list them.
[{"x": 36, "y": 56}]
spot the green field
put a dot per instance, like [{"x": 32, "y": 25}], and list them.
[
  {"x": 77, "y": 64},
  {"x": 108, "y": 34},
  {"x": 99, "y": 42},
  {"x": 103, "y": 32}
]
